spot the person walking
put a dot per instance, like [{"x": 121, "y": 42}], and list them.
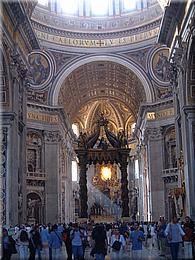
[
  {"x": 117, "y": 243},
  {"x": 35, "y": 244},
  {"x": 174, "y": 234},
  {"x": 8, "y": 245},
  {"x": 67, "y": 240},
  {"x": 45, "y": 237},
  {"x": 137, "y": 238},
  {"x": 22, "y": 242},
  {"x": 55, "y": 243},
  {"x": 188, "y": 239},
  {"x": 100, "y": 239},
  {"x": 76, "y": 237},
  {"x": 161, "y": 237}
]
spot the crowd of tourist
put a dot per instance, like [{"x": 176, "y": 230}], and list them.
[{"x": 46, "y": 241}]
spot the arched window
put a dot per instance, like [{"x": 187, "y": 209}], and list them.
[
  {"x": 136, "y": 169},
  {"x": 129, "y": 5},
  {"x": 69, "y": 7},
  {"x": 74, "y": 171},
  {"x": 75, "y": 129},
  {"x": 43, "y": 2},
  {"x": 99, "y": 7}
]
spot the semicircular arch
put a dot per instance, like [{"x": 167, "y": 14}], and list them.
[{"x": 140, "y": 73}]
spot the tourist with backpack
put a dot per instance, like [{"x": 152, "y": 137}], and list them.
[
  {"x": 55, "y": 242},
  {"x": 76, "y": 237},
  {"x": 117, "y": 243}
]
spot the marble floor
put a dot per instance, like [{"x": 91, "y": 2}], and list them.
[{"x": 147, "y": 253}]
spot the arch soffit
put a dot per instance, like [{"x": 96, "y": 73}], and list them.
[
  {"x": 93, "y": 110},
  {"x": 140, "y": 73}
]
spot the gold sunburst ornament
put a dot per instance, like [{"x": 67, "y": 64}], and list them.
[{"x": 105, "y": 173}]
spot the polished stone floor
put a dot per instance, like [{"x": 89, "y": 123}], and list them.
[{"x": 149, "y": 253}]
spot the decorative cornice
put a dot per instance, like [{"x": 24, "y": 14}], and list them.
[
  {"x": 58, "y": 110},
  {"x": 7, "y": 118},
  {"x": 93, "y": 36},
  {"x": 19, "y": 17}
]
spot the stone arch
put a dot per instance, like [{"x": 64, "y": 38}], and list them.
[{"x": 140, "y": 73}]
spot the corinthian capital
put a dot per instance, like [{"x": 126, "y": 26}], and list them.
[
  {"x": 153, "y": 133},
  {"x": 52, "y": 136}
]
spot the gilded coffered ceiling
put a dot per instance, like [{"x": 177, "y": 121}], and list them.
[{"x": 102, "y": 87}]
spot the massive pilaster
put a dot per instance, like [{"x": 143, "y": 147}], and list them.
[
  {"x": 154, "y": 142},
  {"x": 52, "y": 178}
]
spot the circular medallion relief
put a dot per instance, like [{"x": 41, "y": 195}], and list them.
[
  {"x": 159, "y": 66},
  {"x": 39, "y": 69}
]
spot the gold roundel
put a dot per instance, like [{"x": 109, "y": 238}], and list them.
[
  {"x": 160, "y": 65},
  {"x": 39, "y": 67}
]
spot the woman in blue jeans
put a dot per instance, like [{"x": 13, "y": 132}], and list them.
[
  {"x": 174, "y": 235},
  {"x": 76, "y": 236}
]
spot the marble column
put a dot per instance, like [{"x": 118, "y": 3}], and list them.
[{"x": 154, "y": 141}]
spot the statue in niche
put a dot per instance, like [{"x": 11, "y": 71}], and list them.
[{"x": 31, "y": 204}]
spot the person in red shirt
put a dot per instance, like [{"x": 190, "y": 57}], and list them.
[{"x": 188, "y": 239}]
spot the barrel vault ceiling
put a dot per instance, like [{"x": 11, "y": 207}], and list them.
[{"x": 102, "y": 87}]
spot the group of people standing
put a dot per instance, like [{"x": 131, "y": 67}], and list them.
[
  {"x": 45, "y": 242},
  {"x": 174, "y": 235}
]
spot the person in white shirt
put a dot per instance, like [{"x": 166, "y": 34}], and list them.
[
  {"x": 174, "y": 234},
  {"x": 117, "y": 238}
]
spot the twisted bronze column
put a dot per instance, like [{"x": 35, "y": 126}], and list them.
[
  {"x": 124, "y": 186},
  {"x": 83, "y": 185}
]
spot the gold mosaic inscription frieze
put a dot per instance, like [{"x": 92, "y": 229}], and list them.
[
  {"x": 97, "y": 43},
  {"x": 160, "y": 114},
  {"x": 53, "y": 119}
]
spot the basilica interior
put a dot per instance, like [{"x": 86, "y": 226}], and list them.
[{"x": 97, "y": 110}]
